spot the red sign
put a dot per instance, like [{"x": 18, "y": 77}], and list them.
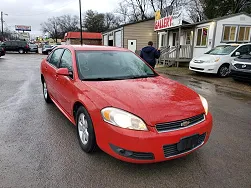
[{"x": 163, "y": 23}]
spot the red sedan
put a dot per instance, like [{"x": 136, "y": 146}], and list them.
[{"x": 121, "y": 105}]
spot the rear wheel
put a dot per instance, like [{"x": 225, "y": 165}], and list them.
[
  {"x": 46, "y": 93},
  {"x": 21, "y": 50},
  {"x": 85, "y": 131},
  {"x": 223, "y": 71}
]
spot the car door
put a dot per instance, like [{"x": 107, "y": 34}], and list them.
[
  {"x": 7, "y": 45},
  {"x": 50, "y": 71},
  {"x": 65, "y": 84}
]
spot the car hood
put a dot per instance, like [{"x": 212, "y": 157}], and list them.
[
  {"x": 155, "y": 100},
  {"x": 207, "y": 58}
]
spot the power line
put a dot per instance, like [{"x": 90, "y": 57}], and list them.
[{"x": 42, "y": 12}]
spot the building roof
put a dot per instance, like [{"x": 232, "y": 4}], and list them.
[
  {"x": 86, "y": 35},
  {"x": 131, "y": 23}
]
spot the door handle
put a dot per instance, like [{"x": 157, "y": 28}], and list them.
[
  {"x": 46, "y": 69},
  {"x": 56, "y": 77}
]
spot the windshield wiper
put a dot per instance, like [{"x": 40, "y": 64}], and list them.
[
  {"x": 103, "y": 79},
  {"x": 141, "y": 76}
]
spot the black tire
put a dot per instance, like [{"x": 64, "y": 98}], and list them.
[
  {"x": 46, "y": 93},
  {"x": 21, "y": 51},
  {"x": 87, "y": 143},
  {"x": 223, "y": 71}
]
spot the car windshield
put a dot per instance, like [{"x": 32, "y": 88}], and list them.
[
  {"x": 111, "y": 65},
  {"x": 222, "y": 50}
]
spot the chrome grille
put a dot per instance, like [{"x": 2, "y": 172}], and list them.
[{"x": 181, "y": 124}]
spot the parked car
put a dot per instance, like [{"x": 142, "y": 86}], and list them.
[
  {"x": 241, "y": 68},
  {"x": 120, "y": 104},
  {"x": 46, "y": 49},
  {"x": 218, "y": 60},
  {"x": 33, "y": 48},
  {"x": 2, "y": 52},
  {"x": 16, "y": 45}
]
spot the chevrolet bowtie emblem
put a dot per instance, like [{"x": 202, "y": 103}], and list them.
[{"x": 185, "y": 123}]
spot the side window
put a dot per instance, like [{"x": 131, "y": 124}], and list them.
[
  {"x": 244, "y": 49},
  {"x": 55, "y": 57},
  {"x": 66, "y": 60}
]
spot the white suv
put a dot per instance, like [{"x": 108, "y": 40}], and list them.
[{"x": 218, "y": 60}]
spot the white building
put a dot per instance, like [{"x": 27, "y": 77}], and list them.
[{"x": 183, "y": 42}]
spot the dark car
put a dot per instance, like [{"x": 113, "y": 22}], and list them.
[
  {"x": 241, "y": 68},
  {"x": 46, "y": 49},
  {"x": 16, "y": 45},
  {"x": 2, "y": 51},
  {"x": 33, "y": 48}
]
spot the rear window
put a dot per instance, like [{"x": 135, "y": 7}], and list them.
[{"x": 47, "y": 46}]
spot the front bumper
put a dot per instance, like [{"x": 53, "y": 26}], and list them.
[
  {"x": 204, "y": 67},
  {"x": 112, "y": 140},
  {"x": 241, "y": 75}
]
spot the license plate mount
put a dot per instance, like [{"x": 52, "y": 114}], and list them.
[{"x": 188, "y": 143}]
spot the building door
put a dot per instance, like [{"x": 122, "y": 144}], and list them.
[
  {"x": 118, "y": 37},
  {"x": 132, "y": 45},
  {"x": 110, "y": 43},
  {"x": 175, "y": 39},
  {"x": 105, "y": 40}
]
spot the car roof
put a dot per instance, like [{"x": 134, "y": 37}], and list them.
[{"x": 93, "y": 48}]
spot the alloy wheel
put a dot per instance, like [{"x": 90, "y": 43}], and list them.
[{"x": 83, "y": 129}]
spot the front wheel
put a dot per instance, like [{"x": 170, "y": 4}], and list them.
[
  {"x": 223, "y": 71},
  {"x": 85, "y": 131}
]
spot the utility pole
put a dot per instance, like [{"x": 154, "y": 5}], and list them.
[
  {"x": 2, "y": 24},
  {"x": 80, "y": 16}
]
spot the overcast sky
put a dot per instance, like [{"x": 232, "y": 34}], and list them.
[{"x": 34, "y": 12}]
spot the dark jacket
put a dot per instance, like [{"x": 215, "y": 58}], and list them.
[{"x": 150, "y": 54}]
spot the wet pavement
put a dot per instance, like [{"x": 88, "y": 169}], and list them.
[{"x": 39, "y": 147}]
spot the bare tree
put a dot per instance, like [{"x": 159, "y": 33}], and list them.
[
  {"x": 68, "y": 23},
  {"x": 52, "y": 27}
]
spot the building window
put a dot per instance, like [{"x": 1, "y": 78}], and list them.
[
  {"x": 188, "y": 37},
  {"x": 244, "y": 34},
  {"x": 229, "y": 33},
  {"x": 202, "y": 36}
]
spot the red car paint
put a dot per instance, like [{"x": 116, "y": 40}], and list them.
[{"x": 155, "y": 100}]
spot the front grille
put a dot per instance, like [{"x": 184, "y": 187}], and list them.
[
  {"x": 172, "y": 150},
  {"x": 165, "y": 127},
  {"x": 243, "y": 66},
  {"x": 196, "y": 68}
]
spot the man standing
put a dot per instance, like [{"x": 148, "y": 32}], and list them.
[{"x": 150, "y": 54}]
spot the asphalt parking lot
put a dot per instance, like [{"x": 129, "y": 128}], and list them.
[{"x": 39, "y": 147}]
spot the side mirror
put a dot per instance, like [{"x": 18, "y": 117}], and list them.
[
  {"x": 237, "y": 53},
  {"x": 63, "y": 72}
]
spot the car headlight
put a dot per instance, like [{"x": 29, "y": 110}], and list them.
[
  {"x": 123, "y": 119},
  {"x": 204, "y": 103}
]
